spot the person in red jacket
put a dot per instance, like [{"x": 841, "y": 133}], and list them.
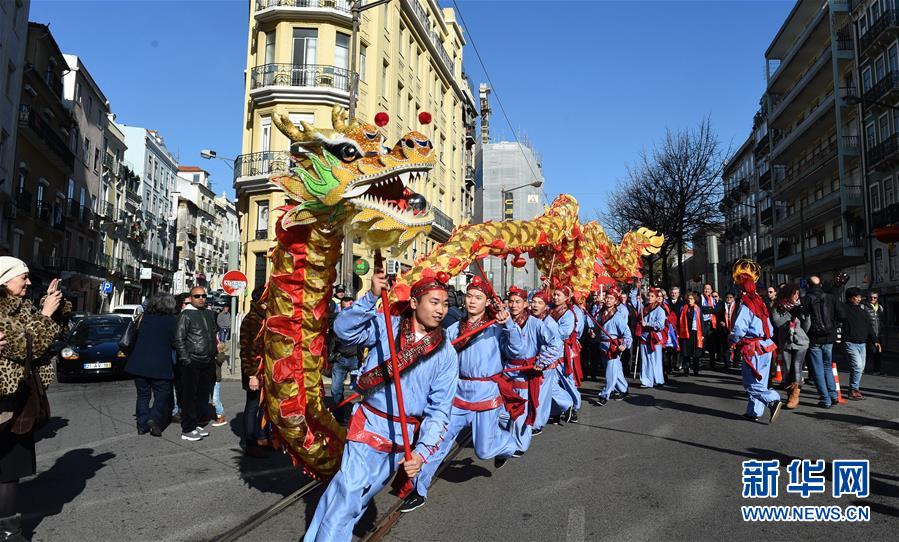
[
  {"x": 727, "y": 313},
  {"x": 689, "y": 334}
]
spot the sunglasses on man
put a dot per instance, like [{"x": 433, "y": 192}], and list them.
[{"x": 199, "y": 296}]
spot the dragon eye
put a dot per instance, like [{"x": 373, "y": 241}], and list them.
[{"x": 346, "y": 152}]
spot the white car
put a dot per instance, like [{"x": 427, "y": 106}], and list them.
[{"x": 132, "y": 311}]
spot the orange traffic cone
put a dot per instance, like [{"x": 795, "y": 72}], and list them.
[
  {"x": 778, "y": 372},
  {"x": 836, "y": 380}
]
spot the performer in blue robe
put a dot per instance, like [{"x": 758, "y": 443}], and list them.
[
  {"x": 483, "y": 389},
  {"x": 570, "y": 325},
  {"x": 539, "y": 347},
  {"x": 652, "y": 323},
  {"x": 429, "y": 369},
  {"x": 751, "y": 334},
  {"x": 614, "y": 338},
  {"x": 551, "y": 394}
]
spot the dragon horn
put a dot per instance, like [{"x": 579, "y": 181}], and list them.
[
  {"x": 338, "y": 118},
  {"x": 288, "y": 128}
]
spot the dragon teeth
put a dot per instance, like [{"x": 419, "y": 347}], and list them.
[{"x": 404, "y": 177}]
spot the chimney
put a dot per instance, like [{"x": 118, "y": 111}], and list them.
[{"x": 485, "y": 114}]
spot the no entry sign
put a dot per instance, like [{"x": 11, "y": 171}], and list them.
[{"x": 234, "y": 282}]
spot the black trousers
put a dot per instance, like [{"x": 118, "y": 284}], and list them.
[{"x": 197, "y": 382}]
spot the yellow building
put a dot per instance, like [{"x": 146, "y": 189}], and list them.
[{"x": 298, "y": 59}]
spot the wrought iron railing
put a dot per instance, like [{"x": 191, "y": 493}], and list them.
[
  {"x": 261, "y": 163},
  {"x": 300, "y": 75},
  {"x": 888, "y": 83},
  {"x": 885, "y": 216},
  {"x": 422, "y": 17},
  {"x": 339, "y": 5},
  {"x": 27, "y": 117},
  {"x": 443, "y": 221},
  {"x": 886, "y": 20},
  {"x": 885, "y": 149}
]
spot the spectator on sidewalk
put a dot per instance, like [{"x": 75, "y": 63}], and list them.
[
  {"x": 821, "y": 308},
  {"x": 224, "y": 322},
  {"x": 771, "y": 297},
  {"x": 217, "y": 405},
  {"x": 151, "y": 362},
  {"x": 255, "y": 437},
  {"x": 727, "y": 312},
  {"x": 183, "y": 302},
  {"x": 791, "y": 324},
  {"x": 709, "y": 306},
  {"x": 195, "y": 344},
  {"x": 878, "y": 322},
  {"x": 346, "y": 359},
  {"x": 857, "y": 332}
]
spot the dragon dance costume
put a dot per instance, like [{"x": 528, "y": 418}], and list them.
[
  {"x": 429, "y": 370},
  {"x": 553, "y": 398},
  {"x": 570, "y": 371}
]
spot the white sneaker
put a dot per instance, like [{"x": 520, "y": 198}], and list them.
[
  {"x": 192, "y": 436},
  {"x": 202, "y": 432}
]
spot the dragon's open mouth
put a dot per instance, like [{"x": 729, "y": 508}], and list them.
[{"x": 391, "y": 195}]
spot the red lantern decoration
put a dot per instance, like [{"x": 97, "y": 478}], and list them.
[
  {"x": 382, "y": 118},
  {"x": 519, "y": 262},
  {"x": 424, "y": 117},
  {"x": 887, "y": 234}
]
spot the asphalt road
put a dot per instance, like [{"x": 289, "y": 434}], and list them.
[{"x": 663, "y": 465}]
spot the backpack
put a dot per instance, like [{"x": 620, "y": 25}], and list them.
[{"x": 822, "y": 316}]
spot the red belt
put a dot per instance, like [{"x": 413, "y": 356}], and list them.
[
  {"x": 532, "y": 383},
  {"x": 508, "y": 397},
  {"x": 751, "y": 347},
  {"x": 358, "y": 433}
]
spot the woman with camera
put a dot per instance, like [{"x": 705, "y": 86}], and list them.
[
  {"x": 25, "y": 334},
  {"x": 791, "y": 322}
]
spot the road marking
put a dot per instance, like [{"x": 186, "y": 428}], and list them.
[
  {"x": 55, "y": 454},
  {"x": 881, "y": 434},
  {"x": 575, "y": 531}
]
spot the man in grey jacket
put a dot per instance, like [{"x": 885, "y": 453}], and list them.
[
  {"x": 195, "y": 345},
  {"x": 878, "y": 322}
]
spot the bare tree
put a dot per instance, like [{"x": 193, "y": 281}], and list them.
[{"x": 675, "y": 190}]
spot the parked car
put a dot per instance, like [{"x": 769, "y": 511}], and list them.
[
  {"x": 129, "y": 310},
  {"x": 92, "y": 348},
  {"x": 76, "y": 317}
]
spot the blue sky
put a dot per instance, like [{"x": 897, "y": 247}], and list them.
[{"x": 590, "y": 83}]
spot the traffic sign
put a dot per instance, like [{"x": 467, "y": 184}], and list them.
[
  {"x": 107, "y": 287},
  {"x": 234, "y": 282}
]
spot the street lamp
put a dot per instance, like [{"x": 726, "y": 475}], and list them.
[
  {"x": 210, "y": 154},
  {"x": 504, "y": 195}
]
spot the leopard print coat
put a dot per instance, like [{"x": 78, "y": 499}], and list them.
[{"x": 18, "y": 317}]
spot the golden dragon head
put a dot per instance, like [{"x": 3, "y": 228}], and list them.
[{"x": 349, "y": 171}]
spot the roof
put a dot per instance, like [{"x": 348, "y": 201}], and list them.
[{"x": 194, "y": 169}]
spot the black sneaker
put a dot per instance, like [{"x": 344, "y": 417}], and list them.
[
  {"x": 751, "y": 418},
  {"x": 412, "y": 502},
  {"x": 822, "y": 404},
  {"x": 573, "y": 418},
  {"x": 143, "y": 430},
  {"x": 535, "y": 432},
  {"x": 569, "y": 414},
  {"x": 155, "y": 430},
  {"x": 774, "y": 410},
  {"x": 555, "y": 420},
  {"x": 600, "y": 401},
  {"x": 517, "y": 453},
  {"x": 499, "y": 462}
]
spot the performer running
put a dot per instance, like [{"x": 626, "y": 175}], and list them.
[
  {"x": 429, "y": 371},
  {"x": 553, "y": 370},
  {"x": 571, "y": 324},
  {"x": 483, "y": 392},
  {"x": 751, "y": 333},
  {"x": 652, "y": 324},
  {"x": 536, "y": 347},
  {"x": 614, "y": 337}
]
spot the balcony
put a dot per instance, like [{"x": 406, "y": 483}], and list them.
[
  {"x": 23, "y": 201},
  {"x": 272, "y": 83},
  {"x": 45, "y": 133},
  {"x": 766, "y": 255},
  {"x": 767, "y": 216},
  {"x": 816, "y": 211},
  {"x": 787, "y": 105},
  {"x": 807, "y": 166},
  {"x": 261, "y": 164},
  {"x": 885, "y": 217},
  {"x": 442, "y": 227},
  {"x": 420, "y": 17},
  {"x": 792, "y": 139},
  {"x": 883, "y": 90},
  {"x": 884, "y": 154},
  {"x": 851, "y": 146},
  {"x": 84, "y": 267},
  {"x": 881, "y": 31},
  {"x": 336, "y": 11}
]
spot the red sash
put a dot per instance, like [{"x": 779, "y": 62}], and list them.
[
  {"x": 508, "y": 397},
  {"x": 533, "y": 380},
  {"x": 683, "y": 327},
  {"x": 749, "y": 348},
  {"x": 573, "y": 355},
  {"x": 409, "y": 353}
]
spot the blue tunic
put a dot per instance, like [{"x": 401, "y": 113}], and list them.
[
  {"x": 569, "y": 323},
  {"x": 480, "y": 358},
  {"x": 749, "y": 326},
  {"x": 616, "y": 328},
  {"x": 651, "y": 373},
  {"x": 553, "y": 398},
  {"x": 428, "y": 390}
]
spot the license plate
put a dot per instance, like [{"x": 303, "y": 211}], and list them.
[{"x": 107, "y": 365}]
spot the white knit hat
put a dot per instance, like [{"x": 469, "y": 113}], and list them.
[{"x": 11, "y": 268}]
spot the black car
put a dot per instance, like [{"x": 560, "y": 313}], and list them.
[{"x": 92, "y": 348}]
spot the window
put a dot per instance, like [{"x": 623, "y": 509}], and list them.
[
  {"x": 893, "y": 58},
  {"x": 875, "y": 12},
  {"x": 866, "y": 79},
  {"x": 889, "y": 196},
  {"x": 304, "y": 43},
  {"x": 879, "y": 68},
  {"x": 265, "y": 134},
  {"x": 342, "y": 51},
  {"x": 884, "y": 123},
  {"x": 874, "y": 196},
  {"x": 70, "y": 196},
  {"x": 78, "y": 91},
  {"x": 39, "y": 198},
  {"x": 384, "y": 79},
  {"x": 262, "y": 215},
  {"x": 862, "y": 24},
  {"x": 259, "y": 274},
  {"x": 362, "y": 53},
  {"x": 871, "y": 135},
  {"x": 86, "y": 149},
  {"x": 82, "y": 197},
  {"x": 97, "y": 159},
  {"x": 90, "y": 105},
  {"x": 270, "y": 47}
]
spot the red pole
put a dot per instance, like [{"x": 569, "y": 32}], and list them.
[{"x": 394, "y": 365}]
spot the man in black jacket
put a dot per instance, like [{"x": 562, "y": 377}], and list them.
[
  {"x": 195, "y": 345},
  {"x": 822, "y": 333},
  {"x": 878, "y": 322},
  {"x": 857, "y": 331}
]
